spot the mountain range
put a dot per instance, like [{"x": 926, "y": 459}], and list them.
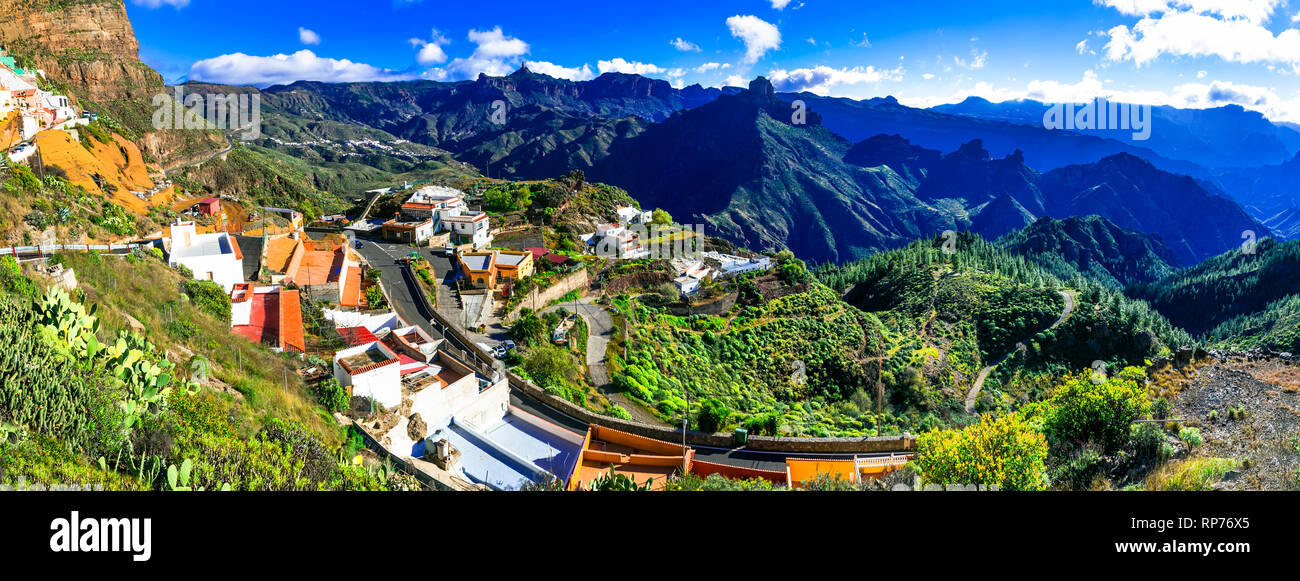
[{"x": 832, "y": 188}]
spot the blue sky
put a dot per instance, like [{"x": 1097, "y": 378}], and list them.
[{"x": 1190, "y": 53}]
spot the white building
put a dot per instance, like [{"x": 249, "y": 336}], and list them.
[
  {"x": 629, "y": 216},
  {"x": 213, "y": 257},
  {"x": 687, "y": 284},
  {"x": 437, "y": 202},
  {"x": 371, "y": 370},
  {"x": 448, "y": 389},
  {"x": 615, "y": 241},
  {"x": 471, "y": 228},
  {"x": 730, "y": 265}
]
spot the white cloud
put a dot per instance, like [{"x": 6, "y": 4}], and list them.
[
  {"x": 864, "y": 43},
  {"x": 977, "y": 60},
  {"x": 821, "y": 78},
  {"x": 430, "y": 52},
  {"x": 735, "y": 81},
  {"x": 307, "y": 36},
  {"x": 1252, "y": 10},
  {"x": 1232, "y": 30},
  {"x": 1083, "y": 48},
  {"x": 758, "y": 35},
  {"x": 620, "y": 65},
  {"x": 152, "y": 4},
  {"x": 304, "y": 65},
  {"x": 495, "y": 54},
  {"x": 1201, "y": 74},
  {"x": 571, "y": 73},
  {"x": 780, "y": 4},
  {"x": 927, "y": 76},
  {"x": 684, "y": 45},
  {"x": 709, "y": 67}
]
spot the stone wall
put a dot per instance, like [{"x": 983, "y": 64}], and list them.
[{"x": 539, "y": 299}]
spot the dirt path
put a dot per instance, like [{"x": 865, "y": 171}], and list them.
[{"x": 984, "y": 373}]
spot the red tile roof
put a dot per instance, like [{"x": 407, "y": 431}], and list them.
[
  {"x": 263, "y": 319},
  {"x": 557, "y": 258},
  {"x": 538, "y": 252},
  {"x": 291, "y": 333},
  {"x": 357, "y": 335},
  {"x": 352, "y": 287}
]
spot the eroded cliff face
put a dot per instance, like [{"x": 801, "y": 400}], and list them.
[{"x": 90, "y": 46}]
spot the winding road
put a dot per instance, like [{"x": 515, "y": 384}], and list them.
[
  {"x": 600, "y": 328},
  {"x": 984, "y": 373}
]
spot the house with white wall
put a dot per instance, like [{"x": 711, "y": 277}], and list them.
[
  {"x": 445, "y": 211},
  {"x": 215, "y": 257},
  {"x": 729, "y": 265},
  {"x": 470, "y": 228},
  {"x": 371, "y": 370},
  {"x": 629, "y": 216}
]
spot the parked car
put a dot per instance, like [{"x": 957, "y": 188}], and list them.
[{"x": 358, "y": 244}]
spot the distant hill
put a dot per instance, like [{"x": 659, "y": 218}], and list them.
[
  {"x": 1228, "y": 136},
  {"x": 1265, "y": 191},
  {"x": 1231, "y": 285},
  {"x": 1043, "y": 149},
  {"x": 1193, "y": 222},
  {"x": 1096, "y": 247}
]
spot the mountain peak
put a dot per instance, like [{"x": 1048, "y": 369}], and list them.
[{"x": 762, "y": 88}]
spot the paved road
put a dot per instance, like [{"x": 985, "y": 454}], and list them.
[
  {"x": 600, "y": 329},
  {"x": 399, "y": 286},
  {"x": 984, "y": 373}
]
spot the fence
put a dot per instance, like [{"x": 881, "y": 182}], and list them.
[{"x": 48, "y": 249}]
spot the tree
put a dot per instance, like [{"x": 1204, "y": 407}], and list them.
[
  {"x": 331, "y": 395},
  {"x": 1085, "y": 409},
  {"x": 794, "y": 271},
  {"x": 551, "y": 366},
  {"x": 1007, "y": 452},
  {"x": 712, "y": 416},
  {"x": 661, "y": 217},
  {"x": 529, "y": 329}
]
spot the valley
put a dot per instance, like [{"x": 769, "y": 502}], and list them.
[{"x": 392, "y": 288}]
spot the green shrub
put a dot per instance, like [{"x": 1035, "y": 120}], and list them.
[
  {"x": 1192, "y": 436},
  {"x": 1083, "y": 410},
  {"x": 712, "y": 416},
  {"x": 331, "y": 395},
  {"x": 210, "y": 298},
  {"x": 1007, "y": 452}
]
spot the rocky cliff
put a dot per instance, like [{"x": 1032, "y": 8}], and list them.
[{"x": 90, "y": 47}]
